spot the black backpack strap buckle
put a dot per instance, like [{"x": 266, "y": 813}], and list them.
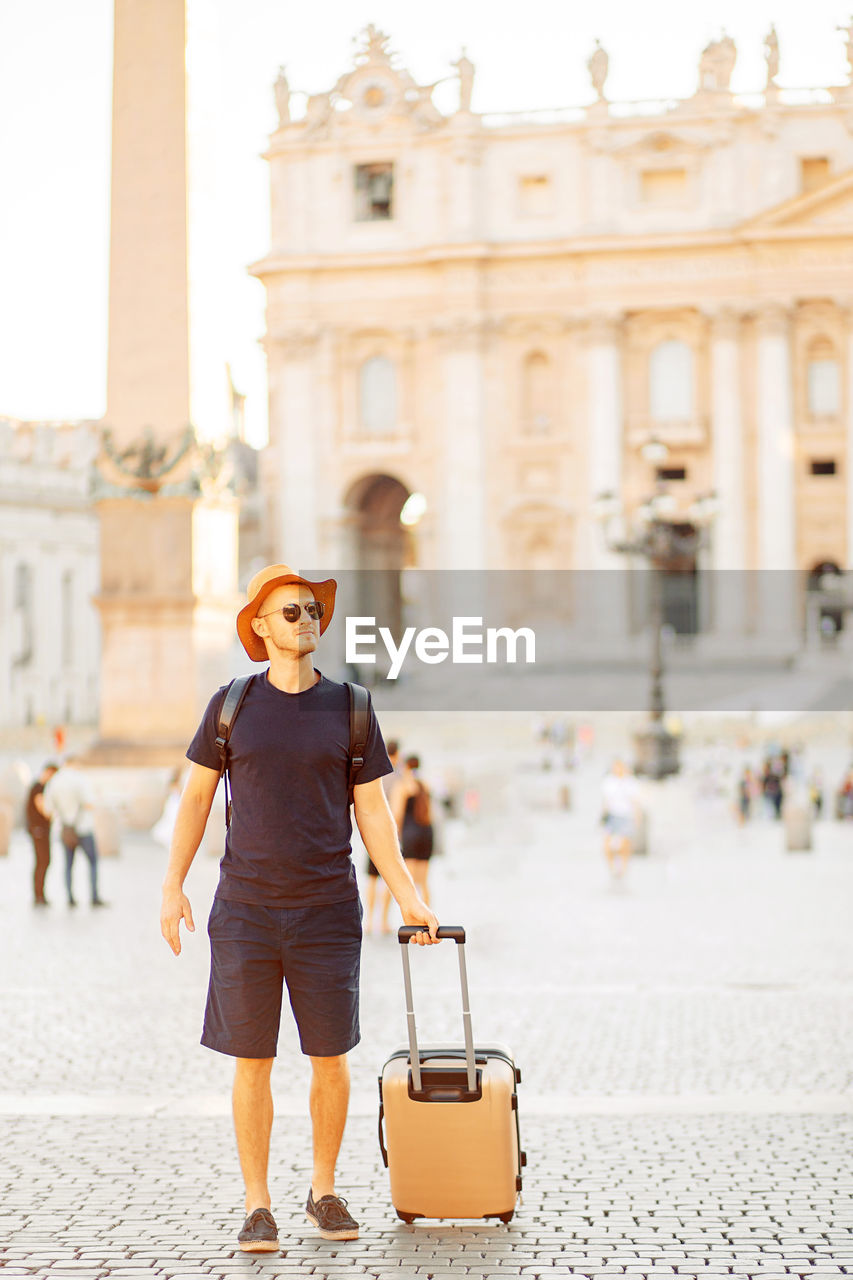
[{"x": 359, "y": 723}]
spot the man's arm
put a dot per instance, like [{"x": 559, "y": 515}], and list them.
[
  {"x": 379, "y": 833},
  {"x": 190, "y": 822}
]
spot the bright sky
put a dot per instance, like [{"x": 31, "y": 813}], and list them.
[{"x": 55, "y": 86}]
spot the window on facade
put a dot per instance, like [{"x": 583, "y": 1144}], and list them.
[
  {"x": 663, "y": 186},
  {"x": 671, "y": 473},
  {"x": 814, "y": 172},
  {"x": 23, "y": 615},
  {"x": 378, "y": 397},
  {"x": 537, "y": 394},
  {"x": 67, "y": 616},
  {"x": 822, "y": 467},
  {"x": 535, "y": 196},
  {"x": 374, "y": 192},
  {"x": 671, "y": 381},
  {"x": 824, "y": 381}
]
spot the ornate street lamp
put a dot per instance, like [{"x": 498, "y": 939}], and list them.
[{"x": 656, "y": 538}]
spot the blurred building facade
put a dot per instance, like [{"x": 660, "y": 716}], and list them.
[
  {"x": 50, "y": 638},
  {"x": 500, "y": 312}
]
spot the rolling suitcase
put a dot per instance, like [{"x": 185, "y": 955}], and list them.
[{"x": 451, "y": 1139}]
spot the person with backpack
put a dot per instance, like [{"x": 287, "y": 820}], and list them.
[
  {"x": 412, "y": 806},
  {"x": 286, "y": 909}
]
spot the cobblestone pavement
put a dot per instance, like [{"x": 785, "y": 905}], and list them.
[{"x": 685, "y": 1038}]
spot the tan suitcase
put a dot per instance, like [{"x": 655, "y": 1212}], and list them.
[{"x": 450, "y": 1115}]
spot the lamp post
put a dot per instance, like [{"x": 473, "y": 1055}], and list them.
[{"x": 656, "y": 538}]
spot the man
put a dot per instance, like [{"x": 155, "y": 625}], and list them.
[
  {"x": 66, "y": 798},
  {"x": 287, "y": 908},
  {"x": 38, "y": 825}
]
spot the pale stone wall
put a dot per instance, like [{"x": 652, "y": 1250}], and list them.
[{"x": 50, "y": 638}]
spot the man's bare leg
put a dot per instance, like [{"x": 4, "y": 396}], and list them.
[
  {"x": 253, "y": 1112},
  {"x": 329, "y": 1103}
]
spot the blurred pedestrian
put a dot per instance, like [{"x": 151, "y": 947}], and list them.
[
  {"x": 376, "y": 886},
  {"x": 164, "y": 827},
  {"x": 816, "y": 794},
  {"x": 66, "y": 797},
  {"x": 844, "y": 802},
  {"x": 745, "y": 793},
  {"x": 38, "y": 825},
  {"x": 771, "y": 786},
  {"x": 622, "y": 814},
  {"x": 411, "y": 805}
]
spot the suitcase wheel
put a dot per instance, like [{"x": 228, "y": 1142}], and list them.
[
  {"x": 406, "y": 1217},
  {"x": 506, "y": 1217}
]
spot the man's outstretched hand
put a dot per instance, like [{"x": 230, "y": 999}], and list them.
[{"x": 175, "y": 908}]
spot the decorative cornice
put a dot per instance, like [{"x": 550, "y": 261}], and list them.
[
  {"x": 602, "y": 328},
  {"x": 724, "y": 321},
  {"x": 773, "y": 318},
  {"x": 294, "y": 344}
]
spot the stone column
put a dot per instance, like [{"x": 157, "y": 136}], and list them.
[
  {"x": 608, "y": 603},
  {"x": 293, "y": 429},
  {"x": 777, "y": 560},
  {"x": 168, "y": 557},
  {"x": 728, "y": 548},
  {"x": 148, "y": 374},
  {"x": 463, "y": 532},
  {"x": 464, "y": 178}
]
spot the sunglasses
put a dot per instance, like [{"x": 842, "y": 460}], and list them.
[{"x": 314, "y": 609}]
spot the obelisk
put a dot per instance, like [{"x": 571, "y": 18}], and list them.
[{"x": 168, "y": 535}]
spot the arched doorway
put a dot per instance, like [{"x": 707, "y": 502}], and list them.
[{"x": 380, "y": 548}]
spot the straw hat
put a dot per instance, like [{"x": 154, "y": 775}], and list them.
[{"x": 278, "y": 575}]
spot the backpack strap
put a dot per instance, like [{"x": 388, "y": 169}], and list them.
[
  {"x": 359, "y": 722},
  {"x": 231, "y": 704}
]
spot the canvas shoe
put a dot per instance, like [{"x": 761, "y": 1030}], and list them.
[
  {"x": 331, "y": 1217},
  {"x": 259, "y": 1234}
]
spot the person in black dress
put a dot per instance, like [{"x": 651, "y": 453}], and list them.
[{"x": 412, "y": 807}]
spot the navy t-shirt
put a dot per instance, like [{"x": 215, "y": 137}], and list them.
[{"x": 289, "y": 842}]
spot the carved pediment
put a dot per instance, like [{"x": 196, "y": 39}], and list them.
[
  {"x": 374, "y": 93},
  {"x": 828, "y": 208},
  {"x": 663, "y": 144}
]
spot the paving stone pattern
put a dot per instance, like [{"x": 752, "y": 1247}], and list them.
[{"x": 685, "y": 1037}]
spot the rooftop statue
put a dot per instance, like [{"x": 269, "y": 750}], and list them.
[
  {"x": 717, "y": 64},
  {"x": 598, "y": 66},
  {"x": 848, "y": 31},
  {"x": 282, "y": 97},
  {"x": 465, "y": 67},
  {"x": 771, "y": 55}
]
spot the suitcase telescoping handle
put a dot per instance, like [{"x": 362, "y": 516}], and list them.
[{"x": 456, "y": 933}]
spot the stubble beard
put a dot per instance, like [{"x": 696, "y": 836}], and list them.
[{"x": 298, "y": 647}]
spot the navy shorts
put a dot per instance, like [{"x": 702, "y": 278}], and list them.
[{"x": 254, "y": 950}]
